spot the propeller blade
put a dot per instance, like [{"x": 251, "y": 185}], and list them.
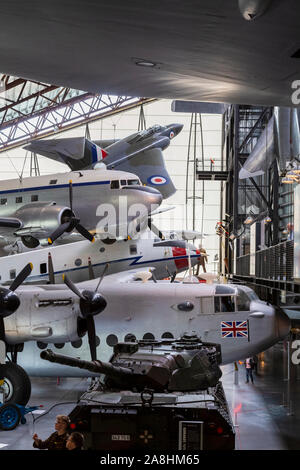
[
  {"x": 155, "y": 230},
  {"x": 72, "y": 287},
  {"x": 154, "y": 277},
  {"x": 91, "y": 330},
  {"x": 169, "y": 274},
  {"x": 58, "y": 232},
  {"x": 21, "y": 277},
  {"x": 91, "y": 271},
  {"x": 2, "y": 330},
  {"x": 85, "y": 233},
  {"x": 51, "y": 269},
  {"x": 102, "y": 276},
  {"x": 71, "y": 195}
]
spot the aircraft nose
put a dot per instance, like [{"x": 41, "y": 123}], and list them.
[
  {"x": 151, "y": 195},
  {"x": 176, "y": 128},
  {"x": 283, "y": 323}
]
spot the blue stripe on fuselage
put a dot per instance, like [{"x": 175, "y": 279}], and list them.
[
  {"x": 135, "y": 262},
  {"x": 52, "y": 186}
]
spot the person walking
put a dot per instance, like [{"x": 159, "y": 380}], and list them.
[{"x": 249, "y": 367}]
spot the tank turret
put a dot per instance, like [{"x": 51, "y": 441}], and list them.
[{"x": 182, "y": 365}]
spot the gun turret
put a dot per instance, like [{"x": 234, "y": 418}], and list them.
[{"x": 169, "y": 365}]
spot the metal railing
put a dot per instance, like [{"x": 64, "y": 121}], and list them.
[{"x": 274, "y": 263}]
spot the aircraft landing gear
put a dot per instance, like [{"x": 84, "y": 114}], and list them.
[{"x": 17, "y": 385}]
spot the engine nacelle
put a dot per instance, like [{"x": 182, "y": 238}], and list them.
[
  {"x": 50, "y": 317},
  {"x": 39, "y": 220}
]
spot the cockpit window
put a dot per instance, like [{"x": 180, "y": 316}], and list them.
[
  {"x": 252, "y": 295},
  {"x": 115, "y": 184},
  {"x": 244, "y": 298},
  {"x": 133, "y": 182},
  {"x": 242, "y": 301}
]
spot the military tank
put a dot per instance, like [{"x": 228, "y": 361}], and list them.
[{"x": 160, "y": 395}]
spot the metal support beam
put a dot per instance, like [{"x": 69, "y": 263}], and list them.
[{"x": 34, "y": 110}]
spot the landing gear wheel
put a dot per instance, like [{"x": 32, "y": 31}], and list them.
[
  {"x": 17, "y": 384},
  {"x": 9, "y": 417}
]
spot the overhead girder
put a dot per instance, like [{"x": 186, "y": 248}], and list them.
[{"x": 34, "y": 110}]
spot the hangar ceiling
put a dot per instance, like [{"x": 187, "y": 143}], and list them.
[{"x": 30, "y": 109}]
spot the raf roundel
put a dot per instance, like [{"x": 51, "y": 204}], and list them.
[
  {"x": 157, "y": 180},
  {"x": 172, "y": 134}
]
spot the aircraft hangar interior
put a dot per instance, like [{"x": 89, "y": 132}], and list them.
[{"x": 149, "y": 238}]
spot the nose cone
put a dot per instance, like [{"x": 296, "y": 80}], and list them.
[
  {"x": 175, "y": 129},
  {"x": 283, "y": 323},
  {"x": 194, "y": 259},
  {"x": 9, "y": 302},
  {"x": 152, "y": 195}
]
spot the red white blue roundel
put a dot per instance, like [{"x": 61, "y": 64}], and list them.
[
  {"x": 157, "y": 180},
  {"x": 172, "y": 134}
]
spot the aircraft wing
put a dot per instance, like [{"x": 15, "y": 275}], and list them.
[
  {"x": 130, "y": 276},
  {"x": 206, "y": 51}
]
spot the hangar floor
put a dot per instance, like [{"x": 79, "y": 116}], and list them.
[{"x": 266, "y": 414}]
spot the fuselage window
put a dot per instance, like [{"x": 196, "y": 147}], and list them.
[
  {"x": 115, "y": 184},
  {"x": 217, "y": 304},
  {"x": 133, "y": 249},
  {"x": 53, "y": 182},
  {"x": 133, "y": 182},
  {"x": 3, "y": 202},
  {"x": 123, "y": 182},
  {"x": 227, "y": 304},
  {"x": 43, "y": 268},
  {"x": 19, "y": 200},
  {"x": 34, "y": 198},
  {"x": 12, "y": 274},
  {"x": 224, "y": 304}
]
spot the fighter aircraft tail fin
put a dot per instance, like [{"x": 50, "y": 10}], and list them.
[
  {"x": 150, "y": 167},
  {"x": 78, "y": 153}
]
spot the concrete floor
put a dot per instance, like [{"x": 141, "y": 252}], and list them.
[{"x": 266, "y": 413}]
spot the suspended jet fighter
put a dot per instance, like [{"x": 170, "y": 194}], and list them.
[
  {"x": 130, "y": 306},
  {"x": 139, "y": 153},
  {"x": 41, "y": 209}
]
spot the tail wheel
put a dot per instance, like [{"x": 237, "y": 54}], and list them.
[
  {"x": 9, "y": 417},
  {"x": 17, "y": 385}
]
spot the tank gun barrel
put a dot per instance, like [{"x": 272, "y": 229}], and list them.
[{"x": 97, "y": 367}]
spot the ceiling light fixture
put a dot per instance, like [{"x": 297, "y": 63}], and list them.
[{"x": 145, "y": 63}]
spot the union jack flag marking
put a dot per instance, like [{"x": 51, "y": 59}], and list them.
[{"x": 234, "y": 329}]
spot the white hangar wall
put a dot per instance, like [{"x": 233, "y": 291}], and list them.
[{"x": 124, "y": 124}]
